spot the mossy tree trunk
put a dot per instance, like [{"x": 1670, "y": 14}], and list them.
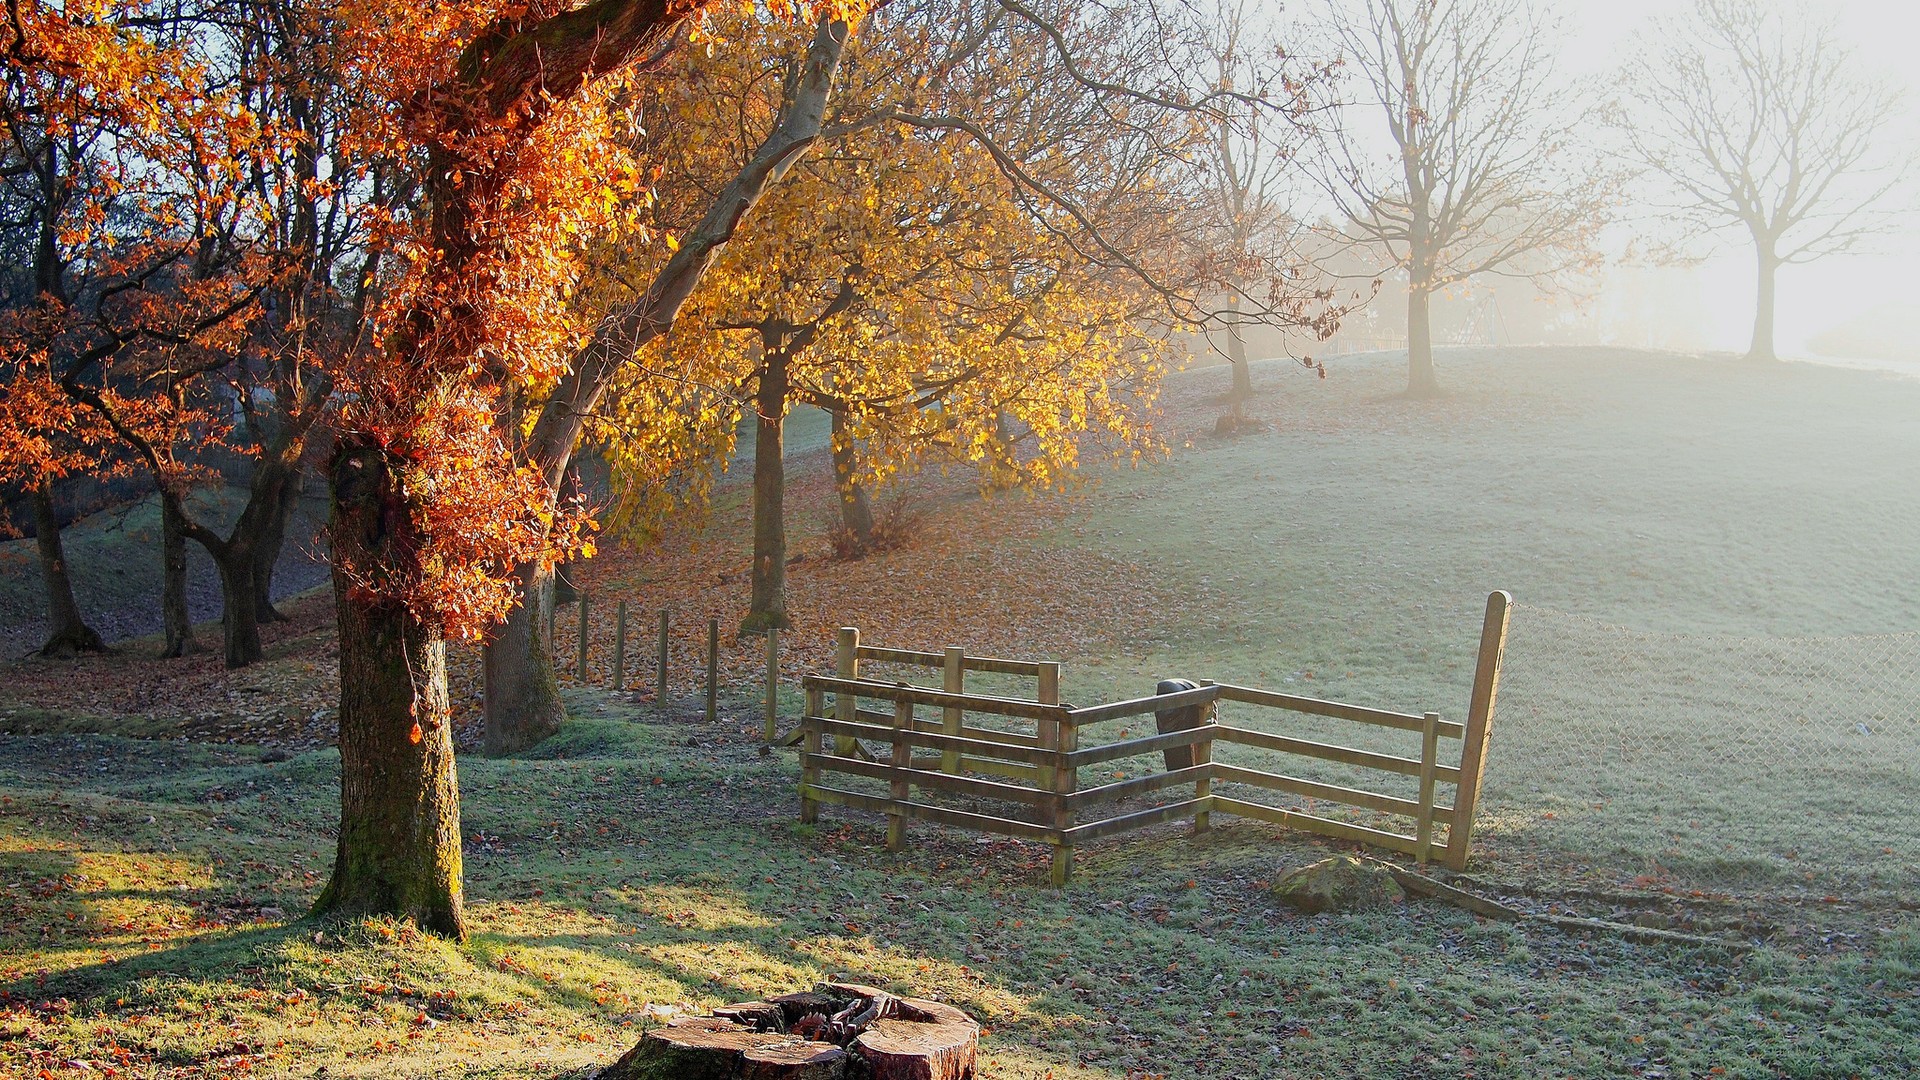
[
  {"x": 67, "y": 632},
  {"x": 398, "y": 850},
  {"x": 856, "y": 508},
  {"x": 175, "y": 618},
  {"x": 769, "y": 604},
  {"x": 523, "y": 703}
]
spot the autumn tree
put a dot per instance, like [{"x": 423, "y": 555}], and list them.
[
  {"x": 126, "y": 148},
  {"x": 1754, "y": 120},
  {"x": 897, "y": 281},
  {"x": 1478, "y": 176}
]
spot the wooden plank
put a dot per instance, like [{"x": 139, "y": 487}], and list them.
[
  {"x": 1423, "y": 821},
  {"x": 1146, "y": 744},
  {"x": 934, "y": 780},
  {"x": 1139, "y": 785},
  {"x": 1473, "y": 746},
  {"x": 1294, "y": 785},
  {"x": 1313, "y": 823},
  {"x": 1000, "y": 666},
  {"x": 1023, "y": 830},
  {"x": 931, "y": 741},
  {"x": 1143, "y": 706},
  {"x": 953, "y": 680},
  {"x": 1138, "y": 819},
  {"x": 938, "y": 727},
  {"x": 896, "y": 656},
  {"x": 998, "y": 706},
  {"x": 1203, "y": 786},
  {"x": 1328, "y": 752},
  {"x": 1338, "y": 710}
]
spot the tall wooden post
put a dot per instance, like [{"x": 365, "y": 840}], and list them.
[
  {"x": 1203, "y": 756},
  {"x": 810, "y": 753},
  {"x": 713, "y": 670},
  {"x": 846, "y": 664},
  {"x": 953, "y": 679},
  {"x": 660, "y": 670},
  {"x": 580, "y": 662},
  {"x": 620, "y": 645},
  {"x": 897, "y": 789},
  {"x": 1473, "y": 750},
  {"x": 773, "y": 684},
  {"x": 1429, "y": 751},
  {"x": 1064, "y": 778},
  {"x": 1046, "y": 693}
]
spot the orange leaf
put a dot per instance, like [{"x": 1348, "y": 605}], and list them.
[{"x": 413, "y": 736}]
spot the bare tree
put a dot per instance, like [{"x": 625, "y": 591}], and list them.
[
  {"x": 1477, "y": 177},
  {"x": 1754, "y": 122},
  {"x": 1246, "y": 176}
]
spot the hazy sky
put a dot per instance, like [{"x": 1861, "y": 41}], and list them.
[{"x": 1815, "y": 296}]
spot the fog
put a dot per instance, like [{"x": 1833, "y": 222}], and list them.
[{"x": 1852, "y": 307}]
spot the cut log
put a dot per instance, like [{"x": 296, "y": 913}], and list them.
[
  {"x": 758, "y": 1015},
  {"x": 905, "y": 1039},
  {"x": 794, "y": 1061},
  {"x": 713, "y": 1048},
  {"x": 928, "y": 1041}
]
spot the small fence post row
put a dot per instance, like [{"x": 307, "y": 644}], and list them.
[{"x": 619, "y": 666}]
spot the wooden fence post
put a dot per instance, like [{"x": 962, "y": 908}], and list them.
[
  {"x": 846, "y": 666},
  {"x": 810, "y": 753},
  {"x": 1048, "y": 731},
  {"x": 660, "y": 673},
  {"x": 1064, "y": 778},
  {"x": 580, "y": 662},
  {"x": 713, "y": 670},
  {"x": 1473, "y": 749},
  {"x": 897, "y": 789},
  {"x": 1429, "y": 751},
  {"x": 620, "y": 646},
  {"x": 953, "y": 679},
  {"x": 773, "y": 683},
  {"x": 1203, "y": 755}
]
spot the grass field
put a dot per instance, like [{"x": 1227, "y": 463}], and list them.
[{"x": 644, "y": 862}]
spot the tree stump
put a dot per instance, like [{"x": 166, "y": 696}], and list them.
[{"x": 754, "y": 1040}]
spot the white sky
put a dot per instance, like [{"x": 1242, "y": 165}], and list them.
[{"x": 1885, "y": 34}]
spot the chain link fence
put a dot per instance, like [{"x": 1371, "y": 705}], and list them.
[{"x": 1745, "y": 766}]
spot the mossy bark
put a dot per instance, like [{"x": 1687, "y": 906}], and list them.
[
  {"x": 523, "y": 703},
  {"x": 398, "y": 849},
  {"x": 769, "y": 604},
  {"x": 856, "y": 508},
  {"x": 175, "y": 618},
  {"x": 67, "y": 632}
]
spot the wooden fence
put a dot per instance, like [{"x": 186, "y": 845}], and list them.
[{"x": 1034, "y": 755}]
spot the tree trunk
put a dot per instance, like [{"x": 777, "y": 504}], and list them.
[
  {"x": 68, "y": 634},
  {"x": 1420, "y": 379},
  {"x": 856, "y": 509},
  {"x": 398, "y": 851},
  {"x": 239, "y": 621},
  {"x": 266, "y": 552},
  {"x": 523, "y": 703},
  {"x": 1242, "y": 390},
  {"x": 769, "y": 607},
  {"x": 175, "y": 617},
  {"x": 1769, "y": 267}
]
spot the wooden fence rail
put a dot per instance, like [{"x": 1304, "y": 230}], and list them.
[{"x": 1037, "y": 772}]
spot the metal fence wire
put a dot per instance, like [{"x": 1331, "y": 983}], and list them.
[{"x": 1747, "y": 766}]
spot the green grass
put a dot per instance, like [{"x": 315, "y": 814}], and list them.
[
  {"x": 638, "y": 868},
  {"x": 1727, "y": 514},
  {"x": 641, "y": 863}
]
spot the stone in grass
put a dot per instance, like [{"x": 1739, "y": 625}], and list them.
[{"x": 1341, "y": 883}]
